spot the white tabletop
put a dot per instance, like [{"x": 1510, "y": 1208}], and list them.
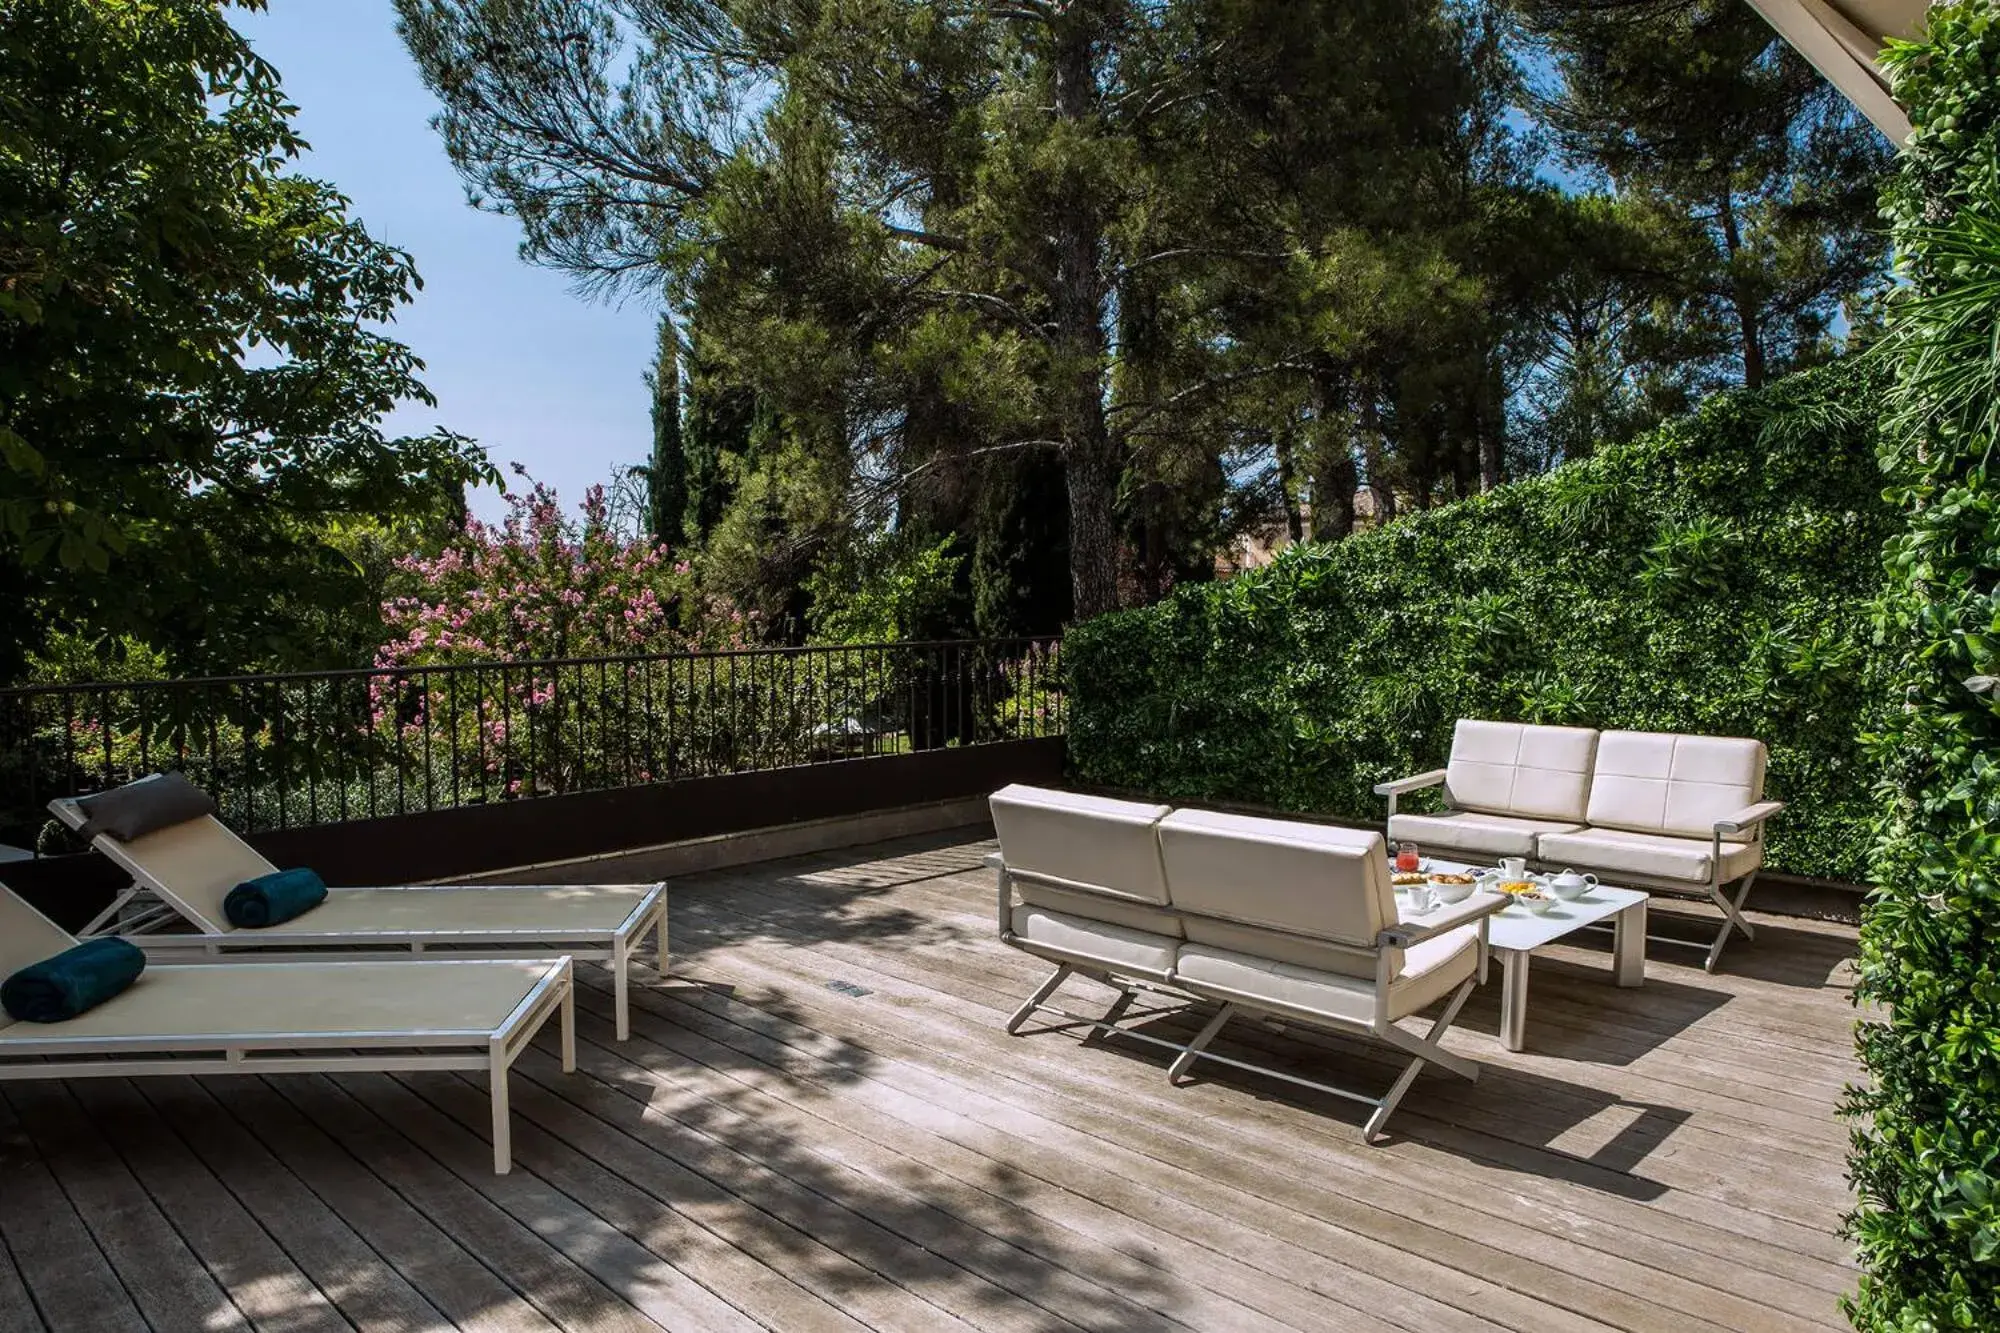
[{"x": 1515, "y": 927}]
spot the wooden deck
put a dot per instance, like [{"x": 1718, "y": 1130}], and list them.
[{"x": 819, "y": 1125}]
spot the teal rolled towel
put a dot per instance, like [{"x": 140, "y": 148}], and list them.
[
  {"x": 73, "y": 981},
  {"x": 269, "y": 899}
]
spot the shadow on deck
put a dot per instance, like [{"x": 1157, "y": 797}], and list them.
[{"x": 820, "y": 1124}]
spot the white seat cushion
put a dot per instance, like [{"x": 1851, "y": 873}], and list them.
[
  {"x": 1100, "y": 907},
  {"x": 1516, "y": 768},
  {"x": 1658, "y": 782},
  {"x": 1611, "y": 852},
  {"x": 1478, "y": 834},
  {"x": 1070, "y": 840},
  {"x": 1077, "y": 939},
  {"x": 1430, "y": 971}
]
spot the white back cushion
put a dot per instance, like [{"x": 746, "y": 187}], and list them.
[
  {"x": 1658, "y": 782},
  {"x": 1310, "y": 879},
  {"x": 1516, "y": 768},
  {"x": 1083, "y": 842}
]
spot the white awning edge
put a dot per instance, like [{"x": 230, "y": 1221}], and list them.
[{"x": 1841, "y": 40}]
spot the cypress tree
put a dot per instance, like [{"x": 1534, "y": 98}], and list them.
[{"x": 666, "y": 472}]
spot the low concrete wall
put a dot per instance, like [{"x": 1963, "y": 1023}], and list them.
[
  {"x": 644, "y": 864},
  {"x": 485, "y": 840}
]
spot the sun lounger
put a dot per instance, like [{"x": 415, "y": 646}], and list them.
[
  {"x": 313, "y": 1017},
  {"x": 188, "y": 868}
]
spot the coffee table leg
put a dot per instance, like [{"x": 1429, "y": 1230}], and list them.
[
  {"x": 1628, "y": 945},
  {"x": 1513, "y": 997}
]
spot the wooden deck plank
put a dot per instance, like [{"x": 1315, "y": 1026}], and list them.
[
  {"x": 675, "y": 1048},
  {"x": 17, "y": 1308},
  {"x": 261, "y": 1279},
  {"x": 1775, "y": 1268},
  {"x": 1559, "y": 1101},
  {"x": 1095, "y": 1241},
  {"x": 58, "y": 1259},
  {"x": 1388, "y": 1211},
  {"x": 771, "y": 1150},
  {"x": 961, "y": 1035},
  {"x": 987, "y": 1281},
  {"x": 653, "y": 1214},
  {"x": 427, "y": 1256},
  {"x": 1700, "y": 1156},
  {"x": 344, "y": 1266},
  {"x": 567, "y": 1296},
  {"x": 171, "y": 1287}
]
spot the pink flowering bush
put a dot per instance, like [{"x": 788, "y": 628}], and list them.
[
  {"x": 538, "y": 587},
  {"x": 486, "y": 637}
]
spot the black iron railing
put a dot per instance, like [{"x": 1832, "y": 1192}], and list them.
[{"x": 322, "y": 747}]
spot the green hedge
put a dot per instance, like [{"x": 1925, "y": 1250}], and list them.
[
  {"x": 1716, "y": 576},
  {"x": 1926, "y": 1157}
]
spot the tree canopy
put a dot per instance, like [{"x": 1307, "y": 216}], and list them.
[
  {"x": 1227, "y": 267},
  {"x": 193, "y": 372}
]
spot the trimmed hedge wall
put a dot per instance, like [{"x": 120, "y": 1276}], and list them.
[
  {"x": 1716, "y": 576},
  {"x": 1926, "y": 1159}
]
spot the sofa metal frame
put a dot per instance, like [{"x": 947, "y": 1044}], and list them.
[
  {"x": 1748, "y": 819},
  {"x": 1423, "y": 1050}
]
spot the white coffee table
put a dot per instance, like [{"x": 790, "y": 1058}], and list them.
[{"x": 1515, "y": 933}]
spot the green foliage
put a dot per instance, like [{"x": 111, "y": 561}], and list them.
[
  {"x": 887, "y": 589},
  {"x": 192, "y": 368},
  {"x": 1926, "y": 1159},
  {"x": 1303, "y": 684}
]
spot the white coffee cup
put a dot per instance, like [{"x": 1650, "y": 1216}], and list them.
[{"x": 1514, "y": 867}]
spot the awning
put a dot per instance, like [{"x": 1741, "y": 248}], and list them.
[{"x": 1841, "y": 38}]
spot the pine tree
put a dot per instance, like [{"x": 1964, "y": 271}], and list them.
[{"x": 1698, "y": 110}]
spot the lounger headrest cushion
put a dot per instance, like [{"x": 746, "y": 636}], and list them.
[{"x": 142, "y": 807}]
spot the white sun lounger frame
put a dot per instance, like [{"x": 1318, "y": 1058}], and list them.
[
  {"x": 24, "y": 1055},
  {"x": 141, "y": 912}
]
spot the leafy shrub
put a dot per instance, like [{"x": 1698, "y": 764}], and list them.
[
  {"x": 1716, "y": 576},
  {"x": 1926, "y": 1160}
]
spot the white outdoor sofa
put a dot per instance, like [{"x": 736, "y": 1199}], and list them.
[
  {"x": 182, "y": 872},
  {"x": 1292, "y": 921},
  {"x": 1644, "y": 809},
  {"x": 316, "y": 1018}
]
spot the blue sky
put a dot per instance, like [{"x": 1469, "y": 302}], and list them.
[{"x": 517, "y": 361}]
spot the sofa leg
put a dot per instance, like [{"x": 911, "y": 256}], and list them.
[
  {"x": 1732, "y": 918},
  {"x": 1042, "y": 993},
  {"x": 1178, "y": 1069},
  {"x": 1126, "y": 997},
  {"x": 1427, "y": 1051}
]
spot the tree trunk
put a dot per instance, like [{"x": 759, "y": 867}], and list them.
[
  {"x": 1492, "y": 419},
  {"x": 1372, "y": 456},
  {"x": 1285, "y": 445},
  {"x": 1748, "y": 315},
  {"x": 1091, "y": 453}
]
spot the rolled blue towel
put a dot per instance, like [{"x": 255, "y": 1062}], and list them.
[
  {"x": 269, "y": 899},
  {"x": 71, "y": 982}
]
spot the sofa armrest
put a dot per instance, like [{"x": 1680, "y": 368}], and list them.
[
  {"x": 998, "y": 865},
  {"x": 1402, "y": 786},
  {"x": 1420, "y": 928},
  {"x": 1749, "y": 817}
]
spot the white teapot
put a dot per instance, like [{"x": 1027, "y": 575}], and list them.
[{"x": 1569, "y": 885}]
